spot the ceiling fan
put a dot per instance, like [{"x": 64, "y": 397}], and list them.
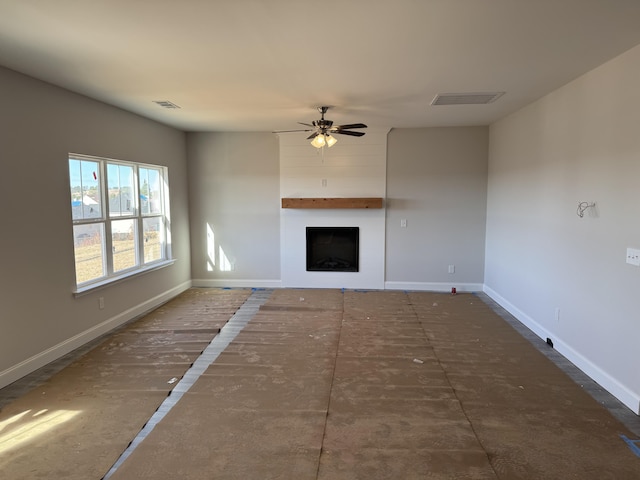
[{"x": 323, "y": 130}]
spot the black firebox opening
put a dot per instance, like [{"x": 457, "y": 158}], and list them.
[{"x": 332, "y": 249}]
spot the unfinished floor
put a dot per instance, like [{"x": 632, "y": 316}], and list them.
[{"x": 316, "y": 384}]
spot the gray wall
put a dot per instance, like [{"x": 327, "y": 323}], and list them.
[
  {"x": 562, "y": 275},
  {"x": 234, "y": 189},
  {"x": 39, "y": 125},
  {"x": 437, "y": 181}
]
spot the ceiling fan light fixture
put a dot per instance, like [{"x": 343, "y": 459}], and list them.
[
  {"x": 318, "y": 141},
  {"x": 323, "y": 139}
]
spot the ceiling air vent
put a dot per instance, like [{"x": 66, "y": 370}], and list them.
[
  {"x": 166, "y": 104},
  {"x": 466, "y": 98}
]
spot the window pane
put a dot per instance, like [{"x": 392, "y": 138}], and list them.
[
  {"x": 119, "y": 223},
  {"x": 123, "y": 238},
  {"x": 150, "y": 191},
  {"x": 89, "y": 252},
  {"x": 122, "y": 202},
  {"x": 86, "y": 197},
  {"x": 153, "y": 239}
]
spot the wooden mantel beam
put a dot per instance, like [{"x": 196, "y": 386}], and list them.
[{"x": 371, "y": 202}]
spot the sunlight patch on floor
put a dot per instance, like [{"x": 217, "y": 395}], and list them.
[{"x": 21, "y": 428}]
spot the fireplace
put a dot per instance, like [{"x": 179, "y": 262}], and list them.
[{"x": 332, "y": 249}]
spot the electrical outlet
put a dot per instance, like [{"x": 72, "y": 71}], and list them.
[
  {"x": 452, "y": 269},
  {"x": 557, "y": 314},
  {"x": 101, "y": 303},
  {"x": 633, "y": 257},
  {"x": 403, "y": 222},
  {"x": 324, "y": 182}
]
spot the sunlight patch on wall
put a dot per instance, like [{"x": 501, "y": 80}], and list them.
[
  {"x": 216, "y": 254},
  {"x": 211, "y": 249},
  {"x": 225, "y": 264},
  {"x": 21, "y": 428}
]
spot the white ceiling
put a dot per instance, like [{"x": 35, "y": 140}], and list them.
[{"x": 262, "y": 65}]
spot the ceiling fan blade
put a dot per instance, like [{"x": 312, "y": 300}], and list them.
[
  {"x": 326, "y": 127},
  {"x": 289, "y": 131},
  {"x": 347, "y": 132},
  {"x": 350, "y": 126}
]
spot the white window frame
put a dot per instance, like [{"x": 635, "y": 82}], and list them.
[{"x": 105, "y": 221}]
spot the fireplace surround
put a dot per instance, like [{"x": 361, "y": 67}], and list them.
[{"x": 344, "y": 186}]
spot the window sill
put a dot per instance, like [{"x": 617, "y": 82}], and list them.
[{"x": 85, "y": 289}]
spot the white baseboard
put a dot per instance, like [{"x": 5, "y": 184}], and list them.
[
  {"x": 239, "y": 283},
  {"x": 41, "y": 359},
  {"x": 522, "y": 317},
  {"x": 424, "y": 286},
  {"x": 434, "y": 286},
  {"x": 606, "y": 381}
]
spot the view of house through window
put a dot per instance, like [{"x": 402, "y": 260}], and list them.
[{"x": 119, "y": 217}]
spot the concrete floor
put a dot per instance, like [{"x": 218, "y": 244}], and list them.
[{"x": 329, "y": 384}]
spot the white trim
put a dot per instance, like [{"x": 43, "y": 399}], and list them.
[
  {"x": 41, "y": 359},
  {"x": 236, "y": 283},
  {"x": 434, "y": 286},
  {"x": 136, "y": 215},
  {"x": 522, "y": 317},
  {"x": 609, "y": 383},
  {"x": 88, "y": 288},
  {"x": 421, "y": 286}
]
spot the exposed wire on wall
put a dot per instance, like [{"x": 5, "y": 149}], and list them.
[{"x": 582, "y": 206}]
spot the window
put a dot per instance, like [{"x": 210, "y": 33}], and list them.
[{"x": 119, "y": 211}]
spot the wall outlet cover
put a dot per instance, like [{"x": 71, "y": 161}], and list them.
[{"x": 633, "y": 256}]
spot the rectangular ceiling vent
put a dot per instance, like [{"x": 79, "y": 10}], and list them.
[
  {"x": 466, "y": 98},
  {"x": 166, "y": 104}
]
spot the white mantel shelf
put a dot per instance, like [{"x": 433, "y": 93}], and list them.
[{"x": 327, "y": 203}]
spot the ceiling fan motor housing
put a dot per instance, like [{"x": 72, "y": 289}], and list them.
[{"x": 325, "y": 124}]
